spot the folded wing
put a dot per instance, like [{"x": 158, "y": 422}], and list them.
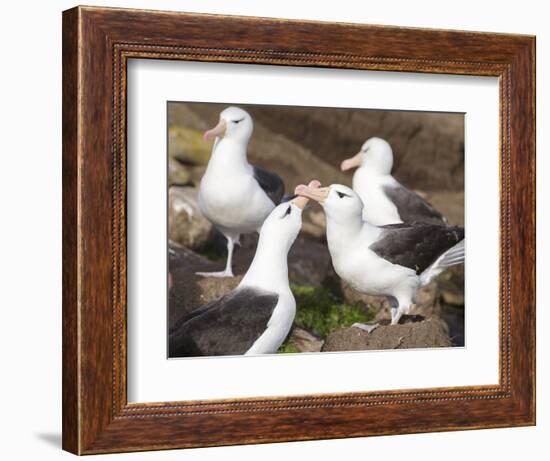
[{"x": 227, "y": 326}]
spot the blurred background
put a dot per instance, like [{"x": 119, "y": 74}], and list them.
[{"x": 300, "y": 144}]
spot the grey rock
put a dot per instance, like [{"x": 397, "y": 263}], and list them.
[{"x": 186, "y": 224}]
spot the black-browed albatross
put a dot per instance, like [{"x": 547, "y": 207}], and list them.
[
  {"x": 392, "y": 260},
  {"x": 386, "y": 200},
  {"x": 255, "y": 317},
  {"x": 233, "y": 194}
]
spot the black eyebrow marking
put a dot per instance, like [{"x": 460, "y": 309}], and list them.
[
  {"x": 238, "y": 121},
  {"x": 341, "y": 194}
]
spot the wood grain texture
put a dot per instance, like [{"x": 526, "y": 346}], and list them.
[
  {"x": 70, "y": 384},
  {"x": 97, "y": 43}
]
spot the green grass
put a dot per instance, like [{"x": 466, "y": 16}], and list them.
[
  {"x": 321, "y": 311},
  {"x": 288, "y": 347}
]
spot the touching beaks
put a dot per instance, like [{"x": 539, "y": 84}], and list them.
[
  {"x": 218, "y": 130},
  {"x": 352, "y": 162},
  {"x": 319, "y": 194},
  {"x": 301, "y": 201}
]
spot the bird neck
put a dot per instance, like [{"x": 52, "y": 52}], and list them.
[
  {"x": 228, "y": 155},
  {"x": 343, "y": 230},
  {"x": 269, "y": 268},
  {"x": 370, "y": 175},
  {"x": 342, "y": 233}
]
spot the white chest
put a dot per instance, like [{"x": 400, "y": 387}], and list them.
[
  {"x": 278, "y": 326},
  {"x": 378, "y": 208},
  {"x": 366, "y": 272},
  {"x": 232, "y": 199}
]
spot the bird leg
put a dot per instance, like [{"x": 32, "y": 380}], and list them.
[
  {"x": 397, "y": 313},
  {"x": 394, "y": 304},
  {"x": 227, "y": 272}
]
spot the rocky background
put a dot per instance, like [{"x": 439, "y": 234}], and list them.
[{"x": 301, "y": 144}]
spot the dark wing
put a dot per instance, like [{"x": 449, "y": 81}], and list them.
[
  {"x": 227, "y": 326},
  {"x": 271, "y": 184},
  {"x": 418, "y": 246},
  {"x": 411, "y": 207}
]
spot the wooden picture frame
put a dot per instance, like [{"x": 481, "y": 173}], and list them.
[{"x": 97, "y": 43}]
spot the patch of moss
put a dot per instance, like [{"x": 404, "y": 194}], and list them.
[
  {"x": 321, "y": 311},
  {"x": 188, "y": 144},
  {"x": 288, "y": 347}
]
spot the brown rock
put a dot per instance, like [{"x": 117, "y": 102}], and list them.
[
  {"x": 314, "y": 223},
  {"x": 451, "y": 284},
  {"x": 186, "y": 224},
  {"x": 305, "y": 341},
  {"x": 452, "y": 296},
  {"x": 309, "y": 262},
  {"x": 428, "y": 146},
  {"x": 190, "y": 291},
  {"x": 427, "y": 301},
  {"x": 414, "y": 333},
  {"x": 177, "y": 173},
  {"x": 450, "y": 203},
  {"x": 378, "y": 305}
]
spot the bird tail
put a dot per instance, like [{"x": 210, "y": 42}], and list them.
[{"x": 452, "y": 257}]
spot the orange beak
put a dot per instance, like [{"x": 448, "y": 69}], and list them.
[
  {"x": 319, "y": 194},
  {"x": 217, "y": 131},
  {"x": 352, "y": 162},
  {"x": 301, "y": 201}
]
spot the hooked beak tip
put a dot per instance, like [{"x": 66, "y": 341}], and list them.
[
  {"x": 347, "y": 164},
  {"x": 351, "y": 162},
  {"x": 312, "y": 191},
  {"x": 302, "y": 191}
]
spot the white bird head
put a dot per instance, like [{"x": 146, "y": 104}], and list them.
[
  {"x": 375, "y": 155},
  {"x": 235, "y": 123},
  {"x": 285, "y": 221},
  {"x": 269, "y": 268},
  {"x": 340, "y": 203}
]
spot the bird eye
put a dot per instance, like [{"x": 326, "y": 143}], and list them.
[
  {"x": 288, "y": 211},
  {"x": 238, "y": 121},
  {"x": 341, "y": 194}
]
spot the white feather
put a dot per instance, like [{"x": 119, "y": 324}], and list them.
[{"x": 453, "y": 256}]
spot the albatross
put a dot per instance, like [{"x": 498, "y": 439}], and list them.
[
  {"x": 235, "y": 196},
  {"x": 256, "y": 317},
  {"x": 391, "y": 260},
  {"x": 387, "y": 200}
]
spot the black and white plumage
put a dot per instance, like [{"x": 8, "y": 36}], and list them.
[
  {"x": 255, "y": 317},
  {"x": 414, "y": 246},
  {"x": 392, "y": 260},
  {"x": 233, "y": 194},
  {"x": 386, "y": 200},
  {"x": 271, "y": 183},
  {"x": 227, "y": 326}
]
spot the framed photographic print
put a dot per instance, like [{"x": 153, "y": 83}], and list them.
[{"x": 282, "y": 230}]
